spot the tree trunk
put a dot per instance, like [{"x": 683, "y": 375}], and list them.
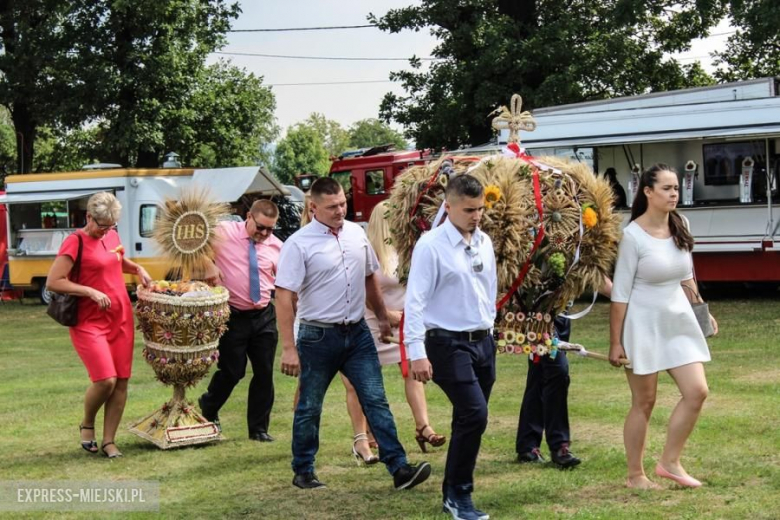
[{"x": 26, "y": 130}]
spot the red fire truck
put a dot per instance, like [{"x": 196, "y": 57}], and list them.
[{"x": 368, "y": 174}]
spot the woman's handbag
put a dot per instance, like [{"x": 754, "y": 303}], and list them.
[
  {"x": 702, "y": 312},
  {"x": 64, "y": 307}
]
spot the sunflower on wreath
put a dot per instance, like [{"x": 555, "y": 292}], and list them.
[{"x": 492, "y": 195}]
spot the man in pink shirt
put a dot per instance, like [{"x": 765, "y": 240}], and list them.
[{"x": 247, "y": 259}]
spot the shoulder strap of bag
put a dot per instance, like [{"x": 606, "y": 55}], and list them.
[
  {"x": 76, "y": 269},
  {"x": 696, "y": 296}
]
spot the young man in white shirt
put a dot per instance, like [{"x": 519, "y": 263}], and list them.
[
  {"x": 330, "y": 265},
  {"x": 449, "y": 314}
]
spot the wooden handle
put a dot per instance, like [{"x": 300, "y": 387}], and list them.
[{"x": 603, "y": 357}]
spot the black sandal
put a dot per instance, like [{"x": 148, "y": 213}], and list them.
[
  {"x": 90, "y": 446},
  {"x": 115, "y": 455}
]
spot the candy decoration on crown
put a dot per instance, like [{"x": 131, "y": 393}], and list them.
[
  {"x": 551, "y": 222},
  {"x": 182, "y": 321}
]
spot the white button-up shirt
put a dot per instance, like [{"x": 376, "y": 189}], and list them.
[
  {"x": 328, "y": 271},
  {"x": 444, "y": 291}
]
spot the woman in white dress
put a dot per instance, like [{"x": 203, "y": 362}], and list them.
[
  {"x": 393, "y": 293},
  {"x": 653, "y": 325}
]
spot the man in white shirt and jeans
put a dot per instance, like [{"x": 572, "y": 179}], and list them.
[
  {"x": 449, "y": 314},
  {"x": 330, "y": 265}
]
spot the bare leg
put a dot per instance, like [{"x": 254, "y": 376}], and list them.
[
  {"x": 643, "y": 391},
  {"x": 692, "y": 384},
  {"x": 115, "y": 407},
  {"x": 359, "y": 423},
  {"x": 96, "y": 396},
  {"x": 415, "y": 396}
]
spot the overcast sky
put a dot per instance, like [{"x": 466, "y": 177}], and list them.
[{"x": 343, "y": 103}]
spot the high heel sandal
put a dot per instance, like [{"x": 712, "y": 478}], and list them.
[
  {"x": 434, "y": 439},
  {"x": 103, "y": 449},
  {"x": 90, "y": 446},
  {"x": 371, "y": 459}
]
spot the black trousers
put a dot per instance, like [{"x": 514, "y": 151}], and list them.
[
  {"x": 466, "y": 373},
  {"x": 253, "y": 335},
  {"x": 545, "y": 407}
]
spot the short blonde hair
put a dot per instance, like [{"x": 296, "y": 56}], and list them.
[
  {"x": 264, "y": 207},
  {"x": 306, "y": 210},
  {"x": 104, "y": 206},
  {"x": 378, "y": 233}
]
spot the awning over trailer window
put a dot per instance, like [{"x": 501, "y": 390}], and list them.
[{"x": 40, "y": 196}]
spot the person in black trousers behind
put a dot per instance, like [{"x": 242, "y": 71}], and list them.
[
  {"x": 545, "y": 407},
  {"x": 449, "y": 313}
]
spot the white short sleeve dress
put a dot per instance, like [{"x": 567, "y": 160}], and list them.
[
  {"x": 393, "y": 293},
  {"x": 660, "y": 330}
]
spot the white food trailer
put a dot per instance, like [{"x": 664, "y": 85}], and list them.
[
  {"x": 724, "y": 141},
  {"x": 45, "y": 208}
]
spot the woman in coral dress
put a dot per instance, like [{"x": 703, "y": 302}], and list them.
[{"x": 103, "y": 336}]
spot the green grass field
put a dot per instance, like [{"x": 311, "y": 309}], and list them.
[{"x": 734, "y": 450}]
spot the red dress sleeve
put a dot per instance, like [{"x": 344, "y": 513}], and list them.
[{"x": 70, "y": 247}]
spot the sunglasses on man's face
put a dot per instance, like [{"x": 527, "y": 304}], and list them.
[
  {"x": 476, "y": 260},
  {"x": 258, "y": 227}
]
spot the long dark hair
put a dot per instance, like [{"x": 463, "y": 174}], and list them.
[{"x": 682, "y": 237}]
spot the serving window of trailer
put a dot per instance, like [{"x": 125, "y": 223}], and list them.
[
  {"x": 38, "y": 227},
  {"x": 723, "y": 161}
]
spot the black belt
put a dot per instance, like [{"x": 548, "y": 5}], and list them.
[
  {"x": 248, "y": 312},
  {"x": 470, "y": 336}
]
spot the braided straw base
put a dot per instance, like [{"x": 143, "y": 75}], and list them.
[
  {"x": 176, "y": 424},
  {"x": 181, "y": 337}
]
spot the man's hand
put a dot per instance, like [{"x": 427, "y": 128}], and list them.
[
  {"x": 213, "y": 276},
  {"x": 291, "y": 365},
  {"x": 384, "y": 329},
  {"x": 422, "y": 370}
]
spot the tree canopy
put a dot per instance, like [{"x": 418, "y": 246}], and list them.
[
  {"x": 334, "y": 137},
  {"x": 550, "y": 52},
  {"x": 300, "y": 151},
  {"x": 373, "y": 132},
  {"x": 128, "y": 81},
  {"x": 754, "y": 50}
]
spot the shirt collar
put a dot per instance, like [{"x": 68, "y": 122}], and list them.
[
  {"x": 454, "y": 236},
  {"x": 242, "y": 233},
  {"x": 322, "y": 229}
]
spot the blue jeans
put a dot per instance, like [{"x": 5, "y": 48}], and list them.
[{"x": 324, "y": 352}]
